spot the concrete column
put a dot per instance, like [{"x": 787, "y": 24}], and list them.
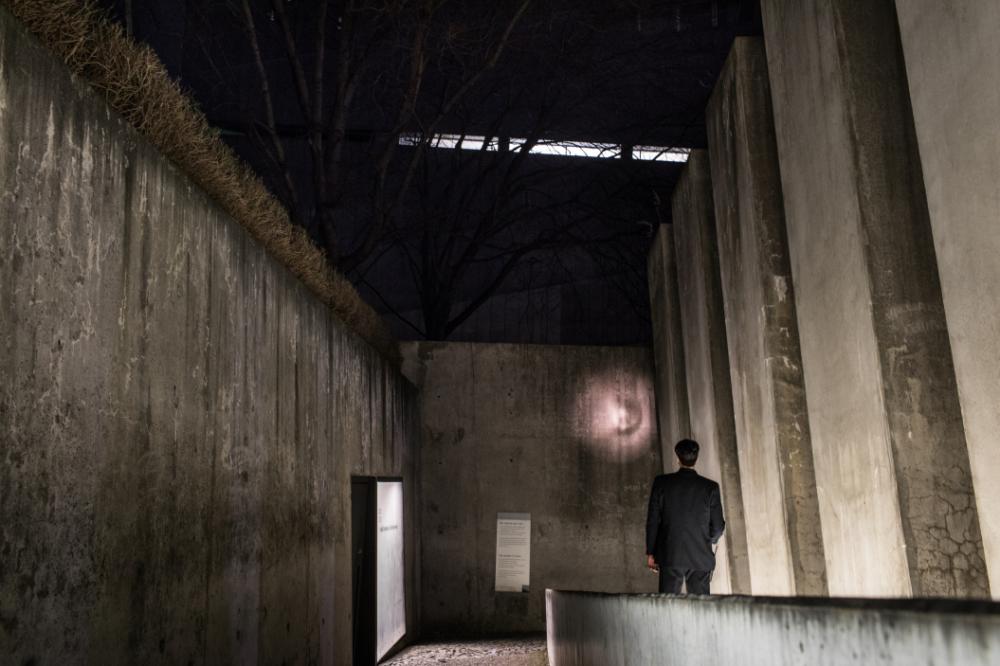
[
  {"x": 953, "y": 65},
  {"x": 784, "y": 538},
  {"x": 707, "y": 362},
  {"x": 668, "y": 347},
  {"x": 892, "y": 468}
]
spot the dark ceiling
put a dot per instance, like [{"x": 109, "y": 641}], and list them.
[{"x": 481, "y": 245}]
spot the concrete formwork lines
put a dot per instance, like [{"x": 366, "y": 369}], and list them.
[
  {"x": 775, "y": 449},
  {"x": 906, "y": 303},
  {"x": 953, "y": 65},
  {"x": 710, "y": 394},
  {"x": 166, "y": 438},
  {"x": 673, "y": 415},
  {"x": 917, "y": 372},
  {"x": 617, "y": 630},
  {"x": 566, "y": 434},
  {"x": 866, "y": 276}
]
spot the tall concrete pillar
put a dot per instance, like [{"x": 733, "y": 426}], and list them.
[
  {"x": 953, "y": 65},
  {"x": 706, "y": 360},
  {"x": 892, "y": 468},
  {"x": 668, "y": 347},
  {"x": 784, "y": 538}
]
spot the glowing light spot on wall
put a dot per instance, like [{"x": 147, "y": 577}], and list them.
[
  {"x": 622, "y": 419},
  {"x": 614, "y": 416},
  {"x": 629, "y": 416}
]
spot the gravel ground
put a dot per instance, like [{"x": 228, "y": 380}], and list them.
[{"x": 501, "y": 652}]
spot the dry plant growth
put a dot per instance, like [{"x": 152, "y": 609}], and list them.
[{"x": 136, "y": 84}]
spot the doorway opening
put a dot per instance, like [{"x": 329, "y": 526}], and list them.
[
  {"x": 363, "y": 569},
  {"x": 378, "y": 566}
]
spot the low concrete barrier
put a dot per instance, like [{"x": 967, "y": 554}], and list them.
[{"x": 586, "y": 628}]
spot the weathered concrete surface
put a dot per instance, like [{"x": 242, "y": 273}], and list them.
[
  {"x": 895, "y": 490},
  {"x": 179, "y": 416},
  {"x": 586, "y": 629},
  {"x": 953, "y": 65},
  {"x": 672, "y": 412},
  {"x": 784, "y": 538},
  {"x": 710, "y": 393},
  {"x": 567, "y": 434}
]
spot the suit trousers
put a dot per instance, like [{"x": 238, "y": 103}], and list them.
[{"x": 671, "y": 579}]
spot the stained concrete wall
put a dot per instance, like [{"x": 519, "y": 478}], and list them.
[
  {"x": 673, "y": 415},
  {"x": 953, "y": 65},
  {"x": 179, "y": 417},
  {"x": 588, "y": 629},
  {"x": 567, "y": 434},
  {"x": 784, "y": 538},
  {"x": 892, "y": 471},
  {"x": 710, "y": 395}
]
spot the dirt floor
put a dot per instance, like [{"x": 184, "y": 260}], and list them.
[{"x": 499, "y": 652}]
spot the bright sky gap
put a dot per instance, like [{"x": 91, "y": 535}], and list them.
[{"x": 561, "y": 148}]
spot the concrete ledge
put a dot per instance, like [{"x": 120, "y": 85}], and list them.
[{"x": 590, "y": 628}]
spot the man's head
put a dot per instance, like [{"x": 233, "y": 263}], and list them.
[{"x": 687, "y": 452}]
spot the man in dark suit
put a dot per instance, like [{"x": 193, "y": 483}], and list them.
[{"x": 683, "y": 525}]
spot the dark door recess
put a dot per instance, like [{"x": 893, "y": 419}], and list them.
[{"x": 363, "y": 567}]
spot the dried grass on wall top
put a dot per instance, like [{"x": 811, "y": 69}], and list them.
[{"x": 137, "y": 85}]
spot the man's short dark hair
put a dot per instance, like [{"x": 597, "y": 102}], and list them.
[{"x": 687, "y": 452}]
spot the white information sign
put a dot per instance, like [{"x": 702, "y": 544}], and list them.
[
  {"x": 390, "y": 571},
  {"x": 513, "y": 571}
]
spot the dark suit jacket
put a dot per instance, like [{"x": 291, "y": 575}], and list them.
[{"x": 684, "y": 520}]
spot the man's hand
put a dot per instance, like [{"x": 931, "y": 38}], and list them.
[{"x": 651, "y": 563}]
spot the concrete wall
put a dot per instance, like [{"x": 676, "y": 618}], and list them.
[
  {"x": 892, "y": 470},
  {"x": 588, "y": 629},
  {"x": 673, "y": 415},
  {"x": 179, "y": 417},
  {"x": 784, "y": 538},
  {"x": 567, "y": 434},
  {"x": 710, "y": 394},
  {"x": 953, "y": 65}
]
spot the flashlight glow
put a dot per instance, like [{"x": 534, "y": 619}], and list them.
[{"x": 614, "y": 415}]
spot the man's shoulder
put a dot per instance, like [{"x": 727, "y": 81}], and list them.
[
  {"x": 672, "y": 478},
  {"x": 709, "y": 484},
  {"x": 687, "y": 476},
  {"x": 697, "y": 479},
  {"x": 662, "y": 480}
]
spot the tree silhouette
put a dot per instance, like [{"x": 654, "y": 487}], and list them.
[{"x": 317, "y": 95}]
